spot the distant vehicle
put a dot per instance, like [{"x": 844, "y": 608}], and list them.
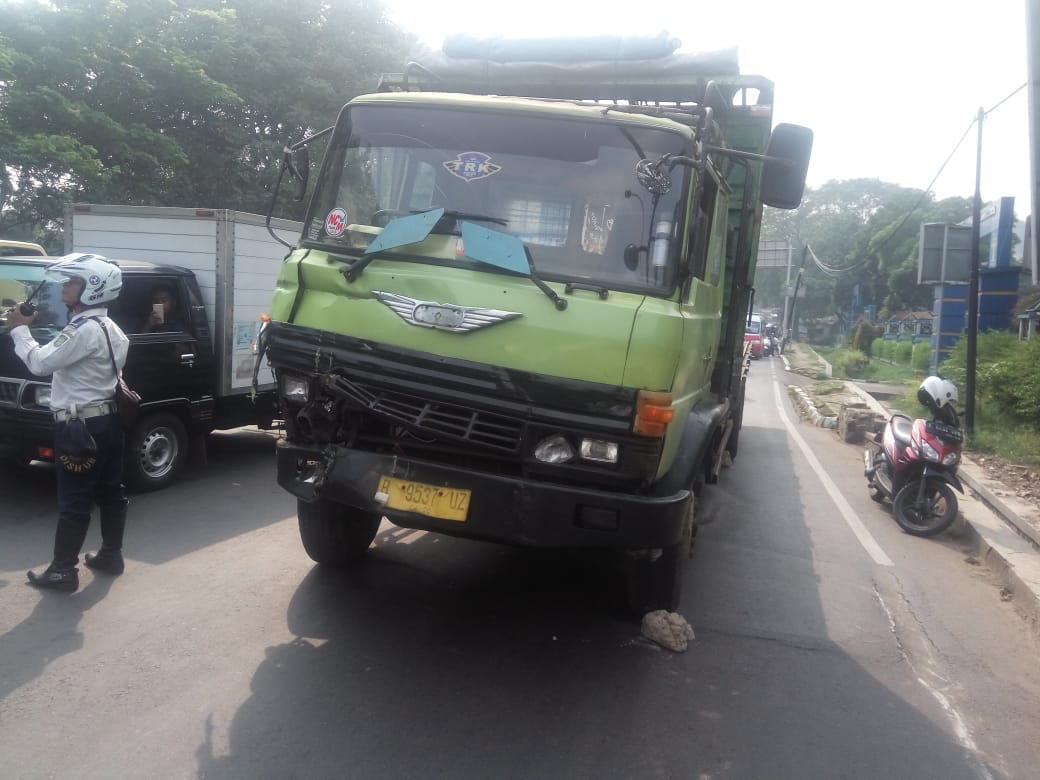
[
  {"x": 9, "y": 248},
  {"x": 753, "y": 331}
]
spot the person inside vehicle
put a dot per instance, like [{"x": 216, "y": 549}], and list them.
[{"x": 165, "y": 316}]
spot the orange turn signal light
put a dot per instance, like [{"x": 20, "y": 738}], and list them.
[{"x": 653, "y": 413}]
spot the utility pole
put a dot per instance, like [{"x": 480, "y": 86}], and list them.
[
  {"x": 794, "y": 298},
  {"x": 973, "y": 288},
  {"x": 788, "y": 304}
]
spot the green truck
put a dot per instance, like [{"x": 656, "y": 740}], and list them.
[{"x": 516, "y": 311}]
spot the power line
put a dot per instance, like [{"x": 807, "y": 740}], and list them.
[{"x": 942, "y": 167}]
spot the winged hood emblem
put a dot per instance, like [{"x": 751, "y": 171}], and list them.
[{"x": 443, "y": 316}]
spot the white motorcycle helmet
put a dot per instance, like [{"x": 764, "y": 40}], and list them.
[
  {"x": 936, "y": 392},
  {"x": 102, "y": 279}
]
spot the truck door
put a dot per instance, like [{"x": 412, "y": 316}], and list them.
[
  {"x": 167, "y": 361},
  {"x": 700, "y": 297}
]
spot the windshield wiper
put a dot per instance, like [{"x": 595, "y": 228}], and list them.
[
  {"x": 398, "y": 232},
  {"x": 450, "y": 220},
  {"x": 504, "y": 250}
]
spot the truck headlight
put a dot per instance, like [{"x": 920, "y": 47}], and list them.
[
  {"x": 554, "y": 449},
  {"x": 599, "y": 451},
  {"x": 294, "y": 388}
]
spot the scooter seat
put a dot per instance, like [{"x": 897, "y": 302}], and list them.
[{"x": 901, "y": 427}]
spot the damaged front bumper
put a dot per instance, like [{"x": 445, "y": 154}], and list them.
[{"x": 497, "y": 508}]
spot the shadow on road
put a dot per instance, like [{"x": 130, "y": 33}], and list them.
[
  {"x": 448, "y": 658},
  {"x": 49, "y": 632},
  {"x": 232, "y": 492}
]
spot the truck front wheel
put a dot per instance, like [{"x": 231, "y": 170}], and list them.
[
  {"x": 156, "y": 451},
  {"x": 655, "y": 580},
  {"x": 335, "y": 534}
]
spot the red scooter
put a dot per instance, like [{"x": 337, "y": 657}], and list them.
[{"x": 915, "y": 462}]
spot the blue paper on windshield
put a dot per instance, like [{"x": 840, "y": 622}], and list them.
[
  {"x": 402, "y": 231},
  {"x": 494, "y": 248}
]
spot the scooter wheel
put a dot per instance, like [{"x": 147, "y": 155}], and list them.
[{"x": 925, "y": 513}]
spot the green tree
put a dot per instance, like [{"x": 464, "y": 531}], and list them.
[
  {"x": 865, "y": 233},
  {"x": 171, "y": 102}
]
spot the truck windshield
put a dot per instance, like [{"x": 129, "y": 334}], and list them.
[
  {"x": 566, "y": 186},
  {"x": 18, "y": 281}
]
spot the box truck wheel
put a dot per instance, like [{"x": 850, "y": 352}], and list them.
[
  {"x": 156, "y": 451},
  {"x": 336, "y": 534}
]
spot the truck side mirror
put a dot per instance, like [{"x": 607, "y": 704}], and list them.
[
  {"x": 787, "y": 163},
  {"x": 301, "y": 169}
]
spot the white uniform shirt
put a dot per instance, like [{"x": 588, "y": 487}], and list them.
[{"x": 77, "y": 358}]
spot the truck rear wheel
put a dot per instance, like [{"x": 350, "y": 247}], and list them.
[
  {"x": 156, "y": 451},
  {"x": 335, "y": 534}
]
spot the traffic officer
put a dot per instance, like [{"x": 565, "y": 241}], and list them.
[{"x": 83, "y": 385}]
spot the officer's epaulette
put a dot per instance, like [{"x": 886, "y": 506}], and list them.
[{"x": 77, "y": 324}]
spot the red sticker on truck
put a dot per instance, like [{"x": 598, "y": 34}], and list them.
[
  {"x": 336, "y": 222},
  {"x": 470, "y": 166}
]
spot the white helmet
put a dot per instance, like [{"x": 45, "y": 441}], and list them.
[
  {"x": 101, "y": 277},
  {"x": 936, "y": 392}
]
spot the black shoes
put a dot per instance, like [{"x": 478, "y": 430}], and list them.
[
  {"x": 55, "y": 580},
  {"x": 109, "y": 561}
]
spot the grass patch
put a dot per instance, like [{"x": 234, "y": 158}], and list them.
[{"x": 853, "y": 364}]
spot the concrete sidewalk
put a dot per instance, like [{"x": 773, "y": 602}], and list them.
[{"x": 1004, "y": 529}]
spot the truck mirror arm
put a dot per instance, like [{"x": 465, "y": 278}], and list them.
[{"x": 299, "y": 173}]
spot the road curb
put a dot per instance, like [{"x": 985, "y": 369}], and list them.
[{"x": 1001, "y": 538}]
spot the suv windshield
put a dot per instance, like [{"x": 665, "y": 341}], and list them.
[
  {"x": 18, "y": 281},
  {"x": 567, "y": 187}
]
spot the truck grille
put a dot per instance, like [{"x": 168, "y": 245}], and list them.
[
  {"x": 9, "y": 392},
  {"x": 444, "y": 420}
]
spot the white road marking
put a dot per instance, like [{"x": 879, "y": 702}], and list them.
[{"x": 847, "y": 512}]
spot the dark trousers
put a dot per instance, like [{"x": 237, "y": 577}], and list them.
[{"x": 84, "y": 482}]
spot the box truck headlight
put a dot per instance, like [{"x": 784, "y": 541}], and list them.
[
  {"x": 294, "y": 388},
  {"x": 599, "y": 451},
  {"x": 42, "y": 395},
  {"x": 554, "y": 449}
]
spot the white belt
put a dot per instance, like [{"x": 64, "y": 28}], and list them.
[{"x": 99, "y": 409}]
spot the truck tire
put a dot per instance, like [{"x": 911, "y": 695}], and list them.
[
  {"x": 657, "y": 583},
  {"x": 156, "y": 451},
  {"x": 738, "y": 421},
  {"x": 336, "y": 534}
]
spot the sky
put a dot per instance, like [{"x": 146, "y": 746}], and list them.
[{"x": 888, "y": 88}]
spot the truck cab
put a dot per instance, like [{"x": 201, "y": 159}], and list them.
[{"x": 516, "y": 309}]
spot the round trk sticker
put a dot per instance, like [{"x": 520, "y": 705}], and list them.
[{"x": 336, "y": 222}]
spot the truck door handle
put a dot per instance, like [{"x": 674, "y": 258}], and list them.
[{"x": 188, "y": 360}]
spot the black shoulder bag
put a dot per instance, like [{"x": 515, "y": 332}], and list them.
[{"x": 128, "y": 401}]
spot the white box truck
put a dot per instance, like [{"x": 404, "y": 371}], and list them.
[{"x": 191, "y": 356}]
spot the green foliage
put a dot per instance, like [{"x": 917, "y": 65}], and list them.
[
  {"x": 922, "y": 356},
  {"x": 864, "y": 334},
  {"x": 902, "y": 352},
  {"x": 869, "y": 229},
  {"x": 1007, "y": 382},
  {"x": 172, "y": 102}
]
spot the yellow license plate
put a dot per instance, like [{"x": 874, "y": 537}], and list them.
[{"x": 441, "y": 502}]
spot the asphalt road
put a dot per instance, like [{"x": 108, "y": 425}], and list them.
[{"x": 828, "y": 643}]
